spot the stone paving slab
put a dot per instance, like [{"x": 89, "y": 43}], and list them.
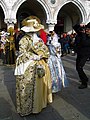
[
  {"x": 68, "y": 104},
  {"x": 5, "y": 104}
]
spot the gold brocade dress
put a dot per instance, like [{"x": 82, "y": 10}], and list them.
[{"x": 32, "y": 93}]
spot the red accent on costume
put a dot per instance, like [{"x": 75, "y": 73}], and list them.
[{"x": 43, "y": 36}]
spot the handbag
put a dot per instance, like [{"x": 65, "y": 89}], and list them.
[{"x": 40, "y": 71}]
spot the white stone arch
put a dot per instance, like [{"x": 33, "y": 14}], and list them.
[
  {"x": 15, "y": 8},
  {"x": 4, "y": 8},
  {"x": 79, "y": 6},
  {"x": 46, "y": 8},
  {"x": 18, "y": 3}
]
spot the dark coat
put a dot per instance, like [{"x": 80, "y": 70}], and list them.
[{"x": 82, "y": 44}]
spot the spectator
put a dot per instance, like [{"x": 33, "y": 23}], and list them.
[{"x": 83, "y": 51}]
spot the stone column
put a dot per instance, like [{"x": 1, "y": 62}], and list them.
[{"x": 51, "y": 24}]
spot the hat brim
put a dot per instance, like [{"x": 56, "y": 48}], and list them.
[{"x": 31, "y": 29}]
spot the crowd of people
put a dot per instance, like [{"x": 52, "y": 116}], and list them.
[
  {"x": 9, "y": 44},
  {"x": 37, "y": 56},
  {"x": 67, "y": 43}
]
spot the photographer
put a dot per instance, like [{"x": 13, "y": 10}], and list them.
[{"x": 82, "y": 43}]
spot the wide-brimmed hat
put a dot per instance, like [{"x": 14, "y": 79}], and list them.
[{"x": 31, "y": 24}]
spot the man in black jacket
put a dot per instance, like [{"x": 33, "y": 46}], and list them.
[{"x": 83, "y": 52}]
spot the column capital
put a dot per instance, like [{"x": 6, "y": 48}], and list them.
[
  {"x": 10, "y": 21},
  {"x": 52, "y": 22},
  {"x": 51, "y": 27}
]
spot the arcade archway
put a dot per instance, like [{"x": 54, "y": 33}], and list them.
[
  {"x": 2, "y": 23},
  {"x": 68, "y": 16},
  {"x": 31, "y": 8}
]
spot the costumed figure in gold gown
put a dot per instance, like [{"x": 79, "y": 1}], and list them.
[{"x": 33, "y": 80}]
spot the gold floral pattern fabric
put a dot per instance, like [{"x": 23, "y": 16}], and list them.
[{"x": 32, "y": 93}]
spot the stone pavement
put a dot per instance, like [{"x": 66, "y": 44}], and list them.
[{"x": 69, "y": 104}]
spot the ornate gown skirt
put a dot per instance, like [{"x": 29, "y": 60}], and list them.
[
  {"x": 58, "y": 74},
  {"x": 33, "y": 93}
]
